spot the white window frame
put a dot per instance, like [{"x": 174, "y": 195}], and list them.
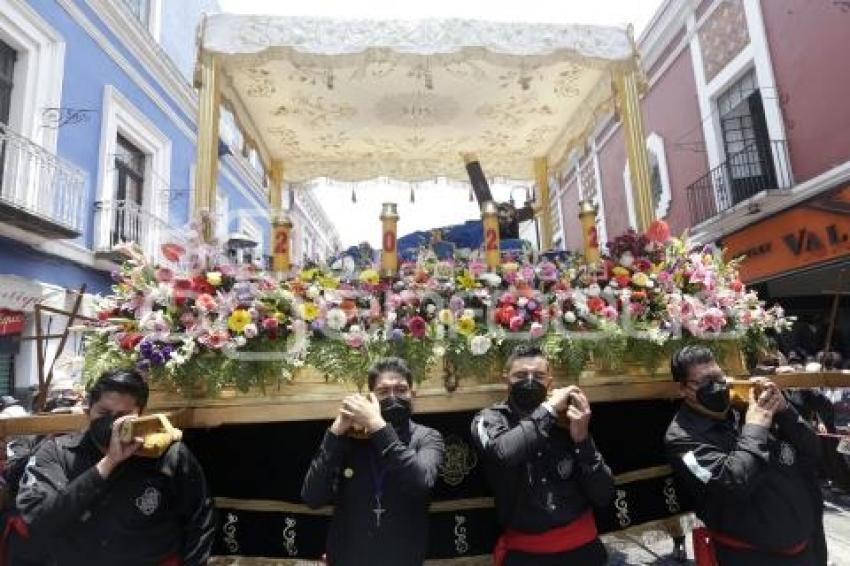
[
  {"x": 39, "y": 69},
  {"x": 120, "y": 117},
  {"x": 655, "y": 145},
  {"x": 253, "y": 230}
]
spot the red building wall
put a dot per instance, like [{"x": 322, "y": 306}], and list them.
[
  {"x": 671, "y": 110},
  {"x": 809, "y": 43}
]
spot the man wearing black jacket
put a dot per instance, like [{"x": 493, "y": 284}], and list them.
[
  {"x": 753, "y": 474},
  {"x": 95, "y": 504},
  {"x": 379, "y": 478},
  {"x": 546, "y": 475}
]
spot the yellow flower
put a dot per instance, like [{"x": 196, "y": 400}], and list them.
[
  {"x": 370, "y": 276},
  {"x": 307, "y": 274},
  {"x": 466, "y": 280},
  {"x": 309, "y": 311},
  {"x": 640, "y": 279},
  {"x": 214, "y": 278},
  {"x": 620, "y": 270},
  {"x": 279, "y": 316},
  {"x": 328, "y": 282},
  {"x": 466, "y": 325},
  {"x": 509, "y": 266},
  {"x": 446, "y": 316},
  {"x": 658, "y": 267},
  {"x": 238, "y": 320}
]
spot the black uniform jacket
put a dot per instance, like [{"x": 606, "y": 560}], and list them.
[
  {"x": 145, "y": 511},
  {"x": 347, "y": 473},
  {"x": 541, "y": 479},
  {"x": 750, "y": 482}
]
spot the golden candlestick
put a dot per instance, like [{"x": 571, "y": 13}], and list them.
[
  {"x": 490, "y": 221},
  {"x": 587, "y": 216},
  {"x": 282, "y": 249},
  {"x": 389, "y": 232}
]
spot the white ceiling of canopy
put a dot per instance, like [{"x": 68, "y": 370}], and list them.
[{"x": 355, "y": 100}]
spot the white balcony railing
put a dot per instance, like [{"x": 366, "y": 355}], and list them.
[
  {"x": 41, "y": 185},
  {"x": 122, "y": 221}
]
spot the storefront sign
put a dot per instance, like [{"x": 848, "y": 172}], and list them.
[
  {"x": 11, "y": 322},
  {"x": 19, "y": 294},
  {"x": 808, "y": 234}
]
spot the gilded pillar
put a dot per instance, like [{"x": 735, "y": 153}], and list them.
[
  {"x": 206, "y": 164},
  {"x": 542, "y": 205},
  {"x": 627, "y": 85}
]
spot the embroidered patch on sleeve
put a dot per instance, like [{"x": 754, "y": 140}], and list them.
[{"x": 695, "y": 468}]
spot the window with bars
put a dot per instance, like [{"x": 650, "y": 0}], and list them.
[{"x": 129, "y": 192}]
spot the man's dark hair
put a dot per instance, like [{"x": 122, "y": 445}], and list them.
[
  {"x": 126, "y": 381},
  {"x": 688, "y": 357},
  {"x": 392, "y": 364},
  {"x": 524, "y": 350}
]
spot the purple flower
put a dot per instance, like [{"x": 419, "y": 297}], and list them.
[
  {"x": 143, "y": 365},
  {"x": 397, "y": 334},
  {"x": 456, "y": 303},
  {"x": 157, "y": 359},
  {"x": 145, "y": 348},
  {"x": 532, "y": 305}
]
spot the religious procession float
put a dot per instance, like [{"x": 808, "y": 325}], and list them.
[{"x": 252, "y": 364}]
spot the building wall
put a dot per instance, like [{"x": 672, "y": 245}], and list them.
[
  {"x": 174, "y": 38},
  {"x": 808, "y": 41},
  {"x": 671, "y": 110}
]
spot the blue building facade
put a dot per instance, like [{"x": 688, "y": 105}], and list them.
[{"x": 97, "y": 147}]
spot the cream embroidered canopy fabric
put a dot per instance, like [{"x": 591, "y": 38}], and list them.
[{"x": 355, "y": 100}]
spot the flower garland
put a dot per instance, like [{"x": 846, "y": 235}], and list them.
[{"x": 198, "y": 322}]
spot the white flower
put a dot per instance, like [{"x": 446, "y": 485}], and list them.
[
  {"x": 439, "y": 331},
  {"x": 593, "y": 290},
  {"x": 250, "y": 330},
  {"x": 392, "y": 316},
  {"x": 312, "y": 292},
  {"x": 522, "y": 302},
  {"x": 287, "y": 295},
  {"x": 431, "y": 309},
  {"x": 354, "y": 329},
  {"x": 627, "y": 259},
  {"x": 569, "y": 317},
  {"x": 490, "y": 279},
  {"x": 336, "y": 319},
  {"x": 240, "y": 341},
  {"x": 439, "y": 350},
  {"x": 480, "y": 345},
  {"x": 468, "y": 313}
]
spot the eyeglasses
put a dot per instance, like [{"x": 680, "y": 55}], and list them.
[
  {"x": 401, "y": 390},
  {"x": 536, "y": 375}
]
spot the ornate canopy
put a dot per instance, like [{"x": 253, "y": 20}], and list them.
[{"x": 355, "y": 100}]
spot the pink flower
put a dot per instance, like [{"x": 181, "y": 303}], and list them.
[
  {"x": 548, "y": 271},
  {"x": 229, "y": 270},
  {"x": 408, "y": 297},
  {"x": 536, "y": 330},
  {"x": 394, "y": 301},
  {"x": 205, "y": 302},
  {"x": 510, "y": 277},
  {"x": 527, "y": 272},
  {"x": 216, "y": 339},
  {"x": 610, "y": 312},
  {"x": 270, "y": 323},
  {"x": 637, "y": 309},
  {"x": 516, "y": 322},
  {"x": 164, "y": 275},
  {"x": 713, "y": 320},
  {"x": 456, "y": 303},
  {"x": 188, "y": 320},
  {"x": 417, "y": 326},
  {"x": 477, "y": 267},
  {"x": 507, "y": 299},
  {"x": 354, "y": 339}
]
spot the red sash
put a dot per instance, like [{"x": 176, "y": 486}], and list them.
[
  {"x": 13, "y": 523},
  {"x": 573, "y": 535},
  {"x": 705, "y": 555}
]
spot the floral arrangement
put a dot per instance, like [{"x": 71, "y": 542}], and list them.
[{"x": 197, "y": 320}]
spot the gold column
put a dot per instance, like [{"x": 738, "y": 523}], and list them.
[
  {"x": 206, "y": 165},
  {"x": 490, "y": 222},
  {"x": 587, "y": 216},
  {"x": 541, "y": 207},
  {"x": 389, "y": 232},
  {"x": 627, "y": 85},
  {"x": 281, "y": 224}
]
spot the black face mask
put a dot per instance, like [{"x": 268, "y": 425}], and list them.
[
  {"x": 396, "y": 411},
  {"x": 527, "y": 394},
  {"x": 714, "y": 396},
  {"x": 100, "y": 430}
]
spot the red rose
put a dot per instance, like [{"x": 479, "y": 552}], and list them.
[
  {"x": 417, "y": 326},
  {"x": 181, "y": 290},
  {"x": 643, "y": 265},
  {"x": 658, "y": 231},
  {"x": 200, "y": 285},
  {"x": 622, "y": 280},
  {"x": 505, "y": 314},
  {"x": 595, "y": 304},
  {"x": 104, "y": 315},
  {"x": 130, "y": 340},
  {"x": 737, "y": 286},
  {"x": 172, "y": 252}
]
